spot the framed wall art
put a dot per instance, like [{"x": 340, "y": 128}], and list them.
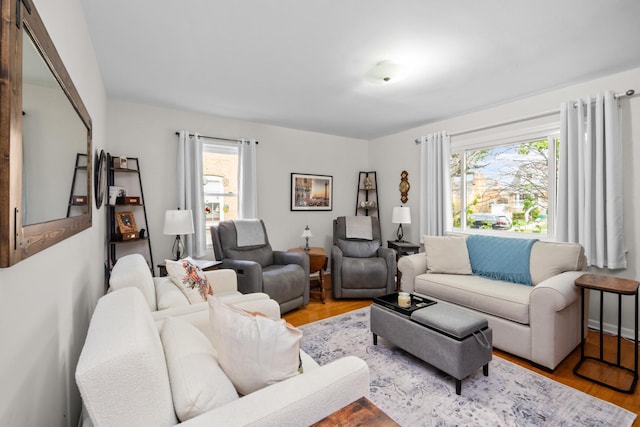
[{"x": 311, "y": 192}]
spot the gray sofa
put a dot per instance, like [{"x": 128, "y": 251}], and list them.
[
  {"x": 284, "y": 276},
  {"x": 540, "y": 323}
]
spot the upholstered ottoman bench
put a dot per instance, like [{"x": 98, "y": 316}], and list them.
[{"x": 451, "y": 339}]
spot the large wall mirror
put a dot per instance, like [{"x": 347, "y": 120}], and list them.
[{"x": 45, "y": 141}]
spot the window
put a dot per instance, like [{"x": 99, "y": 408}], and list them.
[
  {"x": 509, "y": 183},
  {"x": 220, "y": 167}
]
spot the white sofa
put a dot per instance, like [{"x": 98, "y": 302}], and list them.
[
  {"x": 540, "y": 323},
  {"x": 123, "y": 379},
  {"x": 162, "y": 295}
]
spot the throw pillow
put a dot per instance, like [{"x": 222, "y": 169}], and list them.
[
  {"x": 447, "y": 254},
  {"x": 198, "y": 384},
  {"x": 190, "y": 279},
  {"x": 254, "y": 351}
]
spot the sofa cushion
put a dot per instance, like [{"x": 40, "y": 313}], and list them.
[
  {"x": 198, "y": 384},
  {"x": 121, "y": 373},
  {"x": 552, "y": 258},
  {"x": 168, "y": 295},
  {"x": 447, "y": 254},
  {"x": 254, "y": 351},
  {"x": 502, "y": 299},
  {"x": 190, "y": 279},
  {"x": 359, "y": 248},
  {"x": 132, "y": 271}
]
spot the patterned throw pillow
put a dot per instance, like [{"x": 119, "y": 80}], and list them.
[{"x": 190, "y": 279}]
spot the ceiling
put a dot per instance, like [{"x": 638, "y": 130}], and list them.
[{"x": 301, "y": 64}]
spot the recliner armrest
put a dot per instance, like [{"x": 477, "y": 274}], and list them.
[{"x": 283, "y": 258}]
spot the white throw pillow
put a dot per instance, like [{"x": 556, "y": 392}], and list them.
[
  {"x": 189, "y": 278},
  {"x": 447, "y": 254},
  {"x": 198, "y": 384},
  {"x": 253, "y": 350}
]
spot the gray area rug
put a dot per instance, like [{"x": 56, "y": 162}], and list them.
[{"x": 415, "y": 394}]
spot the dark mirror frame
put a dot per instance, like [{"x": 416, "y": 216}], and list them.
[{"x": 18, "y": 241}]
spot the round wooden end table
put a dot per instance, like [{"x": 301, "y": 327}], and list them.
[{"x": 317, "y": 264}]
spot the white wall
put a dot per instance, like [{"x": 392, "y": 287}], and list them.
[
  {"x": 46, "y": 301},
  {"x": 146, "y": 132},
  {"x": 391, "y": 154}
]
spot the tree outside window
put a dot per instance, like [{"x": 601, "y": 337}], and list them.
[{"x": 506, "y": 187}]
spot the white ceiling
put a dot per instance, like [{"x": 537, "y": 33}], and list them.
[{"x": 300, "y": 64}]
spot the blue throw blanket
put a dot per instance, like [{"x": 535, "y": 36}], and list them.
[{"x": 501, "y": 258}]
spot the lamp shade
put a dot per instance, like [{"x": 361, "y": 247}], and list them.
[
  {"x": 178, "y": 222},
  {"x": 306, "y": 232},
  {"x": 401, "y": 215}
]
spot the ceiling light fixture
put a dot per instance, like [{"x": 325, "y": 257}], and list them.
[{"x": 385, "y": 72}]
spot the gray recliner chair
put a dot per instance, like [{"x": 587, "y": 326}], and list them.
[
  {"x": 360, "y": 266},
  {"x": 243, "y": 246}
]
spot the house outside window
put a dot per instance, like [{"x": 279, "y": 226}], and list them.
[
  {"x": 220, "y": 183},
  {"x": 510, "y": 183}
]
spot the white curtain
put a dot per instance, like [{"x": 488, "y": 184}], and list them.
[
  {"x": 435, "y": 185},
  {"x": 590, "y": 180},
  {"x": 190, "y": 190},
  {"x": 247, "y": 181}
]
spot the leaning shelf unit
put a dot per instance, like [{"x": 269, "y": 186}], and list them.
[
  {"x": 138, "y": 241},
  {"x": 367, "y": 194}
]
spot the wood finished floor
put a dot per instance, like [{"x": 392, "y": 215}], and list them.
[{"x": 315, "y": 311}]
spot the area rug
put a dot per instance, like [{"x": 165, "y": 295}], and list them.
[{"x": 415, "y": 394}]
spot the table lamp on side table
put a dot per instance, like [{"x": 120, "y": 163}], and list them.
[
  {"x": 401, "y": 215},
  {"x": 178, "y": 222},
  {"x": 306, "y": 233}
]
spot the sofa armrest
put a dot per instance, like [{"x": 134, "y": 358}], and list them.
[
  {"x": 248, "y": 274},
  {"x": 554, "y": 318},
  {"x": 411, "y": 266},
  {"x": 223, "y": 280},
  {"x": 556, "y": 292},
  {"x": 301, "y": 400}
]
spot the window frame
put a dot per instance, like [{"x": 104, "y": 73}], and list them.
[{"x": 490, "y": 140}]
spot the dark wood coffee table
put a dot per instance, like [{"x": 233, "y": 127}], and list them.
[{"x": 362, "y": 412}]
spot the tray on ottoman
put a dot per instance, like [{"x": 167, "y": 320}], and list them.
[{"x": 391, "y": 301}]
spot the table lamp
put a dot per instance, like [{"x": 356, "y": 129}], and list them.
[
  {"x": 178, "y": 222},
  {"x": 306, "y": 233},
  {"x": 401, "y": 215}
]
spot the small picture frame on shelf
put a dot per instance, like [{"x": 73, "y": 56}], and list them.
[
  {"x": 311, "y": 192},
  {"x": 126, "y": 222},
  {"x": 115, "y": 192}
]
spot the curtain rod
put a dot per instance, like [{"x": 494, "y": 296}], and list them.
[
  {"x": 630, "y": 92},
  {"x": 216, "y": 137}
]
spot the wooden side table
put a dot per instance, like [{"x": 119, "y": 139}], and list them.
[
  {"x": 204, "y": 264},
  {"x": 620, "y": 287},
  {"x": 317, "y": 264},
  {"x": 362, "y": 412},
  {"x": 402, "y": 249}
]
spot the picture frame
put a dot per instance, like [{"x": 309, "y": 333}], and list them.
[
  {"x": 311, "y": 192},
  {"x": 126, "y": 222},
  {"x": 115, "y": 192}
]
